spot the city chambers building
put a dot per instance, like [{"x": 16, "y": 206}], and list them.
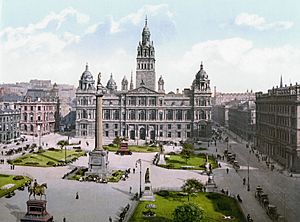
[{"x": 144, "y": 112}]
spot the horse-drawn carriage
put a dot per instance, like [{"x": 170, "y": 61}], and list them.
[{"x": 272, "y": 212}]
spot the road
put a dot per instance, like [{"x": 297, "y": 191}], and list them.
[{"x": 283, "y": 190}]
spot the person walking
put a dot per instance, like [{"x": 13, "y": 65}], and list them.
[
  {"x": 64, "y": 219},
  {"x": 110, "y": 219},
  {"x": 130, "y": 189},
  {"x": 227, "y": 170},
  {"x": 244, "y": 181},
  {"x": 77, "y": 196}
]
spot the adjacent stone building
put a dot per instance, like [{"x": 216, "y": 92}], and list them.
[
  {"x": 241, "y": 120},
  {"x": 278, "y": 125},
  {"x": 9, "y": 122},
  {"x": 142, "y": 112},
  {"x": 39, "y": 111}
]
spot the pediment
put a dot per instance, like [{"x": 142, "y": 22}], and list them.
[{"x": 142, "y": 90}]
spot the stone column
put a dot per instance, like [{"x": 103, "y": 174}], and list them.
[{"x": 98, "y": 124}]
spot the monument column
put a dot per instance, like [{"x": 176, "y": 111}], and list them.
[{"x": 99, "y": 124}]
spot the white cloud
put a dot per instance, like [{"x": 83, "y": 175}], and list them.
[
  {"x": 260, "y": 23},
  {"x": 137, "y": 17},
  {"x": 233, "y": 65},
  {"x": 92, "y": 28}
]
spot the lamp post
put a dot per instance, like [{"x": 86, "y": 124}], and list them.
[
  {"x": 39, "y": 130},
  {"x": 248, "y": 183},
  {"x": 140, "y": 162}
]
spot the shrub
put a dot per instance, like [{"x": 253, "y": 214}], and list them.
[
  {"x": 18, "y": 177},
  {"x": 50, "y": 163},
  {"x": 150, "y": 149},
  {"x": 111, "y": 145},
  {"x": 163, "y": 193},
  {"x": 31, "y": 163},
  {"x": 17, "y": 161},
  {"x": 52, "y": 149},
  {"x": 188, "y": 213},
  {"x": 223, "y": 206},
  {"x": 213, "y": 196},
  {"x": 9, "y": 161},
  {"x": 4, "y": 175}
]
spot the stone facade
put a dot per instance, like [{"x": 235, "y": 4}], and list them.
[
  {"x": 223, "y": 98},
  {"x": 241, "y": 120},
  {"x": 39, "y": 112},
  {"x": 141, "y": 113},
  {"x": 9, "y": 123},
  {"x": 278, "y": 125}
]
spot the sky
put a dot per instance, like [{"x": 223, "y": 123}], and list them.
[{"x": 244, "y": 45}]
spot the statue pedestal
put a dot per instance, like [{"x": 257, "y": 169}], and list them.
[
  {"x": 123, "y": 149},
  {"x": 36, "y": 212},
  {"x": 98, "y": 161},
  {"x": 148, "y": 193}
]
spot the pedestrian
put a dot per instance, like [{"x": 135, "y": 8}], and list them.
[
  {"x": 130, "y": 189},
  {"x": 133, "y": 170},
  {"x": 227, "y": 170},
  {"x": 2, "y": 152},
  {"x": 13, "y": 166},
  {"x": 216, "y": 150},
  {"x": 64, "y": 220},
  {"x": 220, "y": 165},
  {"x": 77, "y": 196},
  {"x": 244, "y": 181},
  {"x": 110, "y": 219}
]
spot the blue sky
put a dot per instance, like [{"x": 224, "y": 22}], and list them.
[{"x": 243, "y": 44}]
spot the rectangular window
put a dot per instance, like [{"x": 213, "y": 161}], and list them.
[
  {"x": 188, "y": 134},
  {"x": 106, "y": 125},
  {"x": 179, "y": 126},
  {"x": 178, "y": 134},
  {"x": 161, "y": 127},
  {"x": 106, "y": 133},
  {"x": 169, "y": 134},
  {"x": 160, "y": 134},
  {"x": 188, "y": 126},
  {"x": 39, "y": 108},
  {"x": 116, "y": 126},
  {"x": 169, "y": 126},
  {"x": 116, "y": 133}
]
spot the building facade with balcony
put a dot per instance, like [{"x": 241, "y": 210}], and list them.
[
  {"x": 278, "y": 125},
  {"x": 144, "y": 112},
  {"x": 9, "y": 123}
]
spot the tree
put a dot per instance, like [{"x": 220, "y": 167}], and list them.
[
  {"x": 192, "y": 186},
  {"x": 189, "y": 212},
  {"x": 187, "y": 151},
  {"x": 62, "y": 143},
  {"x": 117, "y": 140}
]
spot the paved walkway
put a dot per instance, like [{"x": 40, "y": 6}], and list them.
[{"x": 96, "y": 201}]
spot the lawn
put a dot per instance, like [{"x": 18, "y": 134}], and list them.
[
  {"x": 214, "y": 205},
  {"x": 8, "y": 179},
  {"x": 134, "y": 148},
  {"x": 198, "y": 161},
  {"x": 47, "y": 158},
  {"x": 80, "y": 172}
]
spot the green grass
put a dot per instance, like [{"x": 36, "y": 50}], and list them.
[
  {"x": 8, "y": 179},
  {"x": 198, "y": 161},
  {"x": 214, "y": 208},
  {"x": 48, "y": 158},
  {"x": 134, "y": 148},
  {"x": 116, "y": 176}
]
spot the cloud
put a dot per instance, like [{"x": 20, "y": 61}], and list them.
[
  {"x": 234, "y": 65},
  {"x": 137, "y": 17},
  {"x": 260, "y": 23},
  {"x": 41, "y": 37}
]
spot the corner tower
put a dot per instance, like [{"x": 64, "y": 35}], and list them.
[{"x": 145, "y": 67}]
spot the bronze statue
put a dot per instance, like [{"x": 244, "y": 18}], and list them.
[
  {"x": 99, "y": 78},
  {"x": 37, "y": 189},
  {"x": 147, "y": 176}
]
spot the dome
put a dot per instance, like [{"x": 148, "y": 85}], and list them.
[
  {"x": 111, "y": 84},
  {"x": 86, "y": 75},
  {"x": 201, "y": 73}
]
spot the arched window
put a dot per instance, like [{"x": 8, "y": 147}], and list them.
[{"x": 170, "y": 115}]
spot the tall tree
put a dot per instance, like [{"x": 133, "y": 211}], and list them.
[
  {"x": 189, "y": 212},
  {"x": 192, "y": 186}
]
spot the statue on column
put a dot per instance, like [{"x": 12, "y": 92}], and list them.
[{"x": 147, "y": 176}]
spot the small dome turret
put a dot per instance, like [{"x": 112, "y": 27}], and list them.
[{"x": 111, "y": 84}]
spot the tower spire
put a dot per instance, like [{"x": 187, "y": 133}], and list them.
[
  {"x": 131, "y": 82},
  {"x": 146, "y": 21},
  {"x": 280, "y": 81},
  {"x": 86, "y": 66}
]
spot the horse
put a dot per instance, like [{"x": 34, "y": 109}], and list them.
[{"x": 38, "y": 190}]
